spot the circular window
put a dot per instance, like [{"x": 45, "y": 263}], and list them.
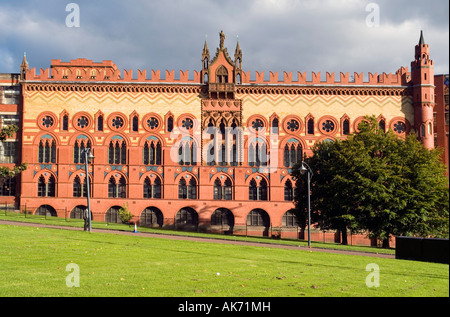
[
  {"x": 152, "y": 123},
  {"x": 399, "y": 127},
  {"x": 292, "y": 125},
  {"x": 257, "y": 124},
  {"x": 48, "y": 122},
  {"x": 187, "y": 123},
  {"x": 328, "y": 126},
  {"x": 82, "y": 122},
  {"x": 117, "y": 122}
]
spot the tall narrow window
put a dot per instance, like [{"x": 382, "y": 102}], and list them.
[
  {"x": 51, "y": 187},
  {"x": 262, "y": 190},
  {"x": 227, "y": 190},
  {"x": 135, "y": 124},
  {"x": 65, "y": 123},
  {"x": 47, "y": 151},
  {"x": 346, "y": 127},
  {"x": 157, "y": 188},
  {"x": 77, "y": 187},
  {"x": 147, "y": 188},
  {"x": 122, "y": 188},
  {"x": 311, "y": 126},
  {"x": 182, "y": 189},
  {"x": 217, "y": 190},
  {"x": 100, "y": 123},
  {"x": 253, "y": 190},
  {"x": 112, "y": 189},
  {"x": 42, "y": 187},
  {"x": 288, "y": 191},
  {"x": 192, "y": 189}
]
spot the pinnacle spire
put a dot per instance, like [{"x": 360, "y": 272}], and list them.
[{"x": 421, "y": 40}]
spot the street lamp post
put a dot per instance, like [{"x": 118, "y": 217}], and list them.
[
  {"x": 87, "y": 157},
  {"x": 306, "y": 169}
]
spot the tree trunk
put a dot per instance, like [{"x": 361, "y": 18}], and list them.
[
  {"x": 344, "y": 236},
  {"x": 385, "y": 244}
]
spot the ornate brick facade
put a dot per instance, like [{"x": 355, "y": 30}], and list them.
[{"x": 213, "y": 151}]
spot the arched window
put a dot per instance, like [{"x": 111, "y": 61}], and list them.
[
  {"x": 100, "y": 123},
  {"x": 258, "y": 192},
  {"x": 112, "y": 215},
  {"x": 152, "y": 190},
  {"x": 288, "y": 191},
  {"x": 253, "y": 190},
  {"x": 310, "y": 128},
  {"x": 187, "y": 152},
  {"x": 222, "y": 217},
  {"x": 289, "y": 219},
  {"x": 217, "y": 189},
  {"x": 65, "y": 123},
  {"x": 170, "y": 124},
  {"x": 135, "y": 124},
  {"x": 147, "y": 188},
  {"x": 186, "y": 217},
  {"x": 192, "y": 189},
  {"x": 346, "y": 127},
  {"x": 262, "y": 190},
  {"x": 222, "y": 75},
  {"x": 122, "y": 190},
  {"x": 42, "y": 188},
  {"x": 258, "y": 217},
  {"x": 293, "y": 154},
  {"x": 78, "y": 151},
  {"x": 182, "y": 189},
  {"x": 47, "y": 189},
  {"x": 152, "y": 217},
  {"x": 117, "y": 153},
  {"x": 47, "y": 151},
  {"x": 152, "y": 153},
  {"x": 117, "y": 189},
  {"x": 257, "y": 154},
  {"x": 227, "y": 190}
]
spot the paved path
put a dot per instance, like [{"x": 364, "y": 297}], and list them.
[{"x": 201, "y": 239}]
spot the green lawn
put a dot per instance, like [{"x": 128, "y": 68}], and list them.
[{"x": 33, "y": 263}]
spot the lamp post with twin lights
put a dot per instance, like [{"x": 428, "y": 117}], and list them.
[
  {"x": 306, "y": 169},
  {"x": 87, "y": 158}
]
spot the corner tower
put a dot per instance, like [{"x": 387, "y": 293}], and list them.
[{"x": 422, "y": 75}]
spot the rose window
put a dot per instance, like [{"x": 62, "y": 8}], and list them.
[
  {"x": 117, "y": 122},
  {"x": 152, "y": 123},
  {"x": 47, "y": 121},
  {"x": 187, "y": 124},
  {"x": 328, "y": 126},
  {"x": 82, "y": 122},
  {"x": 257, "y": 124},
  {"x": 292, "y": 125},
  {"x": 400, "y": 127}
]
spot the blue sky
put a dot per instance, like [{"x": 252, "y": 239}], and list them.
[{"x": 275, "y": 35}]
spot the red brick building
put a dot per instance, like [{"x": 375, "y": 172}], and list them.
[{"x": 212, "y": 151}]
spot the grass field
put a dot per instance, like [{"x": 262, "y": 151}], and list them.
[{"x": 33, "y": 262}]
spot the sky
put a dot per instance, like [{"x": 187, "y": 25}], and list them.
[{"x": 275, "y": 35}]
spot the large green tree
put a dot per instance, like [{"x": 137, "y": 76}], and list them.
[{"x": 378, "y": 183}]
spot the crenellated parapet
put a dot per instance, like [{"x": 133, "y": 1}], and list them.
[{"x": 84, "y": 70}]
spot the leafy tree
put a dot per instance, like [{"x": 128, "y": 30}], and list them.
[
  {"x": 124, "y": 214},
  {"x": 379, "y": 183}
]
